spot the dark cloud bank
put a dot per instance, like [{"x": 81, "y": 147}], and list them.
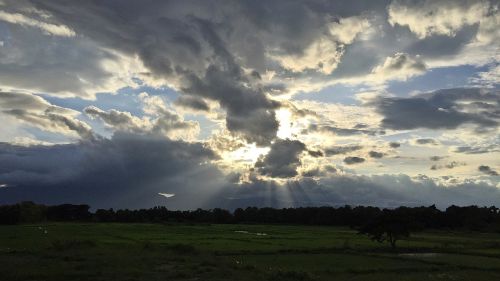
[{"x": 129, "y": 171}]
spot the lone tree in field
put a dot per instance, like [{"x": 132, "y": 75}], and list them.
[{"x": 390, "y": 227}]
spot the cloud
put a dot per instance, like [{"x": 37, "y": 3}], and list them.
[
  {"x": 394, "y": 144},
  {"x": 323, "y": 171},
  {"x": 448, "y": 33},
  {"x": 477, "y": 149},
  {"x": 450, "y": 165},
  {"x": 282, "y": 160},
  {"x": 315, "y": 153},
  {"x": 487, "y": 170},
  {"x": 159, "y": 119},
  {"x": 310, "y": 46},
  {"x": 62, "y": 66},
  {"x": 454, "y": 164},
  {"x": 426, "y": 17},
  {"x": 336, "y": 150},
  {"x": 126, "y": 170},
  {"x": 324, "y": 53},
  {"x": 400, "y": 66},
  {"x": 32, "y": 70},
  {"x": 436, "y": 158},
  {"x": 347, "y": 29},
  {"x": 52, "y": 29},
  {"x": 339, "y": 131},
  {"x": 388, "y": 191},
  {"x": 375, "y": 154},
  {"x": 129, "y": 171},
  {"x": 198, "y": 54},
  {"x": 217, "y": 57},
  {"x": 426, "y": 142},
  {"x": 37, "y": 112},
  {"x": 118, "y": 120},
  {"x": 242, "y": 66},
  {"x": 192, "y": 102},
  {"x": 489, "y": 78},
  {"x": 249, "y": 112},
  {"x": 442, "y": 109},
  {"x": 353, "y": 160}
]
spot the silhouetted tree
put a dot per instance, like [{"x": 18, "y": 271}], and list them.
[{"x": 391, "y": 226}]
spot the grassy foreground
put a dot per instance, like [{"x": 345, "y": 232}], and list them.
[{"x": 71, "y": 251}]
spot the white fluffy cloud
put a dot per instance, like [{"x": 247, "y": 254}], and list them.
[
  {"x": 400, "y": 66},
  {"x": 428, "y": 17},
  {"x": 36, "y": 111},
  {"x": 159, "y": 120}
]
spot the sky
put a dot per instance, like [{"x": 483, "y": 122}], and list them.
[{"x": 221, "y": 103}]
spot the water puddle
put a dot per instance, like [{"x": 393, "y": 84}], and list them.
[{"x": 246, "y": 232}]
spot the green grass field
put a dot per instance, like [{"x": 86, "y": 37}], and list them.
[{"x": 70, "y": 251}]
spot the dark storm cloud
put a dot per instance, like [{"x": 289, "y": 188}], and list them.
[
  {"x": 190, "y": 43},
  {"x": 249, "y": 112},
  {"x": 127, "y": 170},
  {"x": 375, "y": 154},
  {"x": 442, "y": 109},
  {"x": 282, "y": 160},
  {"x": 353, "y": 160},
  {"x": 487, "y": 170}
]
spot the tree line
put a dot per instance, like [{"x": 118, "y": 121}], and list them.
[{"x": 415, "y": 218}]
